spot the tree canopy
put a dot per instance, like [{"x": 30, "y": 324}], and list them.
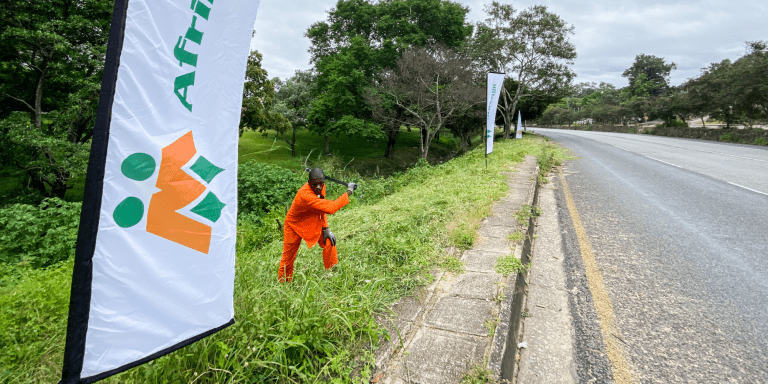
[
  {"x": 51, "y": 62},
  {"x": 359, "y": 40},
  {"x": 531, "y": 47}
]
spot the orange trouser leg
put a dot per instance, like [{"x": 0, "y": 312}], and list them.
[
  {"x": 329, "y": 254},
  {"x": 291, "y": 242}
]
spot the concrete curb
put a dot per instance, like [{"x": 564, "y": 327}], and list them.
[
  {"x": 446, "y": 328},
  {"x": 504, "y": 351}
]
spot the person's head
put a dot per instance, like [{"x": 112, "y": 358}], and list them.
[{"x": 316, "y": 180}]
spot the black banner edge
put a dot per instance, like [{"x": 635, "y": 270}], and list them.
[{"x": 82, "y": 273}]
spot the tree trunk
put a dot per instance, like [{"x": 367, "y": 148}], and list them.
[
  {"x": 59, "y": 188},
  {"x": 35, "y": 184},
  {"x": 426, "y": 139},
  {"x": 293, "y": 143},
  {"x": 389, "y": 152},
  {"x": 327, "y": 145},
  {"x": 39, "y": 99},
  {"x": 464, "y": 145},
  {"x": 703, "y": 124},
  {"x": 507, "y": 128}
]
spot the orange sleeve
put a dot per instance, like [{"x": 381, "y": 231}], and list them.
[{"x": 327, "y": 206}]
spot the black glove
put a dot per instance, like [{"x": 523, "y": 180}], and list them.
[
  {"x": 327, "y": 234},
  {"x": 351, "y": 188}
]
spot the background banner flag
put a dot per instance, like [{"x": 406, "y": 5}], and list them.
[
  {"x": 494, "y": 82},
  {"x": 519, "y": 129},
  {"x": 155, "y": 259}
]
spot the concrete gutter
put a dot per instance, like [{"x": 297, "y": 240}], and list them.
[{"x": 466, "y": 320}]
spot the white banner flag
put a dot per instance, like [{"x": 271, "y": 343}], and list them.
[
  {"x": 519, "y": 128},
  {"x": 155, "y": 260},
  {"x": 495, "y": 83}
]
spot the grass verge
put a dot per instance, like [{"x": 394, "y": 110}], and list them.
[{"x": 321, "y": 327}]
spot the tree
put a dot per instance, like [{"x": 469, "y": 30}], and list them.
[
  {"x": 51, "y": 62},
  {"x": 292, "y": 100},
  {"x": 258, "y": 97},
  {"x": 649, "y": 75},
  {"x": 713, "y": 91},
  {"x": 362, "y": 38},
  {"x": 432, "y": 86},
  {"x": 750, "y": 78},
  {"x": 531, "y": 46},
  {"x": 340, "y": 107}
]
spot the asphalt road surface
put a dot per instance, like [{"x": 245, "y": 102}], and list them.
[{"x": 679, "y": 230}]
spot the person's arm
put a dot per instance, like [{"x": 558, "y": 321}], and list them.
[{"x": 327, "y": 206}]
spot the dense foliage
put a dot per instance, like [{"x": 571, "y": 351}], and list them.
[
  {"x": 38, "y": 235},
  {"x": 359, "y": 40},
  {"x": 262, "y": 186},
  {"x": 51, "y": 60}
]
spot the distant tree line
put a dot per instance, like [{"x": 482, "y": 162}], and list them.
[{"x": 727, "y": 92}]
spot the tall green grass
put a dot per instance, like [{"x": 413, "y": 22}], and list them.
[{"x": 320, "y": 327}]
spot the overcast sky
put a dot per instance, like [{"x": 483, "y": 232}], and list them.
[{"x": 608, "y": 36}]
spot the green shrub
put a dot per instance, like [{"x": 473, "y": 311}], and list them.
[
  {"x": 254, "y": 231},
  {"x": 261, "y": 186},
  {"x": 673, "y": 124},
  {"x": 761, "y": 141},
  {"x": 39, "y": 235},
  {"x": 730, "y": 137}
]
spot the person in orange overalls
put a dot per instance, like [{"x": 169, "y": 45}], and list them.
[{"x": 307, "y": 219}]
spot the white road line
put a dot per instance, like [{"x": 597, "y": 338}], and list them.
[
  {"x": 747, "y": 188},
  {"x": 662, "y": 161},
  {"x": 697, "y": 149},
  {"x": 622, "y": 148}
]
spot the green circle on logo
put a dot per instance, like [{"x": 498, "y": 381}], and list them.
[
  {"x": 139, "y": 166},
  {"x": 129, "y": 212}
]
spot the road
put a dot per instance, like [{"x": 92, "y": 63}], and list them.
[{"x": 679, "y": 233}]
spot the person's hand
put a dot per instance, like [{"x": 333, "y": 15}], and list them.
[
  {"x": 327, "y": 234},
  {"x": 351, "y": 188}
]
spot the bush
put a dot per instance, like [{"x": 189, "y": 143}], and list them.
[
  {"x": 254, "y": 231},
  {"x": 673, "y": 124},
  {"x": 39, "y": 235},
  {"x": 761, "y": 141},
  {"x": 261, "y": 186},
  {"x": 730, "y": 137}
]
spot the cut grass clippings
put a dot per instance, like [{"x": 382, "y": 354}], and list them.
[{"x": 320, "y": 327}]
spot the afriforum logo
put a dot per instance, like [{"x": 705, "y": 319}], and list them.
[{"x": 177, "y": 190}]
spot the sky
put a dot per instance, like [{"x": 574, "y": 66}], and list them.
[{"x": 608, "y": 33}]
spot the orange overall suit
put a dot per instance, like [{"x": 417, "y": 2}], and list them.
[{"x": 306, "y": 220}]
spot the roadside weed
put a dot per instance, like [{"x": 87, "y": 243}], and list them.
[
  {"x": 479, "y": 375},
  {"x": 509, "y": 264},
  {"x": 526, "y": 212},
  {"x": 516, "y": 237}
]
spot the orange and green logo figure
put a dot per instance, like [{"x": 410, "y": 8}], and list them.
[{"x": 177, "y": 190}]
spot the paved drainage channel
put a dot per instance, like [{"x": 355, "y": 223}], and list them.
[{"x": 471, "y": 319}]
